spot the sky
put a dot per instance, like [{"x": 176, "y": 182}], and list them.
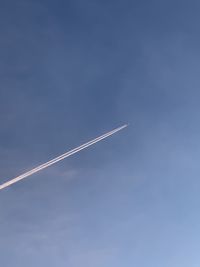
[{"x": 73, "y": 70}]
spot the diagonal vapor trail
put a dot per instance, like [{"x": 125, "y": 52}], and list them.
[{"x": 61, "y": 157}]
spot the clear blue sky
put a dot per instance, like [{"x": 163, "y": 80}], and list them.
[{"x": 69, "y": 71}]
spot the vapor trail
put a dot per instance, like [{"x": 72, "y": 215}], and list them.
[{"x": 61, "y": 157}]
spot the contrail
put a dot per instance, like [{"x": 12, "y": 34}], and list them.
[{"x": 61, "y": 157}]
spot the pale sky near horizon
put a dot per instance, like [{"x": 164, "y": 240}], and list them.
[{"x": 70, "y": 71}]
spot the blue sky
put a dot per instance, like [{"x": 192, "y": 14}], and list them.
[{"x": 69, "y": 71}]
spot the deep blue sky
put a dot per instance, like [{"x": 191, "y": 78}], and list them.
[{"x": 69, "y": 71}]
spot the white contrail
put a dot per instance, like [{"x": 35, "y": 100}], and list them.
[{"x": 61, "y": 157}]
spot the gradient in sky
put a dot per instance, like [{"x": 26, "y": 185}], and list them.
[{"x": 70, "y": 71}]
